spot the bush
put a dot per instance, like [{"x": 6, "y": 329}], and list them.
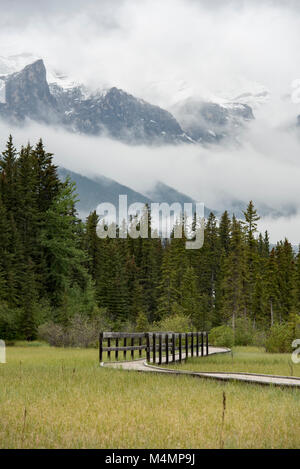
[
  {"x": 174, "y": 323},
  {"x": 142, "y": 323},
  {"x": 259, "y": 338},
  {"x": 81, "y": 331},
  {"x": 244, "y": 333},
  {"x": 221, "y": 336},
  {"x": 280, "y": 338},
  {"x": 53, "y": 334}
]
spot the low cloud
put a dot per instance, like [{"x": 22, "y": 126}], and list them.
[{"x": 264, "y": 168}]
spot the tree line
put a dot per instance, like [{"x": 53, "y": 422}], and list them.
[{"x": 53, "y": 265}]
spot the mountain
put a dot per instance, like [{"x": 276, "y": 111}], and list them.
[
  {"x": 211, "y": 122},
  {"x": 27, "y": 94},
  {"x": 163, "y": 193},
  {"x": 29, "y": 90},
  {"x": 92, "y": 192}
]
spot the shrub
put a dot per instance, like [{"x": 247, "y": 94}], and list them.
[
  {"x": 174, "y": 323},
  {"x": 53, "y": 334},
  {"x": 221, "y": 336},
  {"x": 280, "y": 338},
  {"x": 81, "y": 331},
  {"x": 244, "y": 333},
  {"x": 142, "y": 323},
  {"x": 259, "y": 338}
]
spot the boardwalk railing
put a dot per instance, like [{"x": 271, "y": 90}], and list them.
[{"x": 160, "y": 347}]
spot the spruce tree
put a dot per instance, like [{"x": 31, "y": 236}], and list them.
[{"x": 233, "y": 300}]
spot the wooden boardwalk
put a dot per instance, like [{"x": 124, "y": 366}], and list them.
[{"x": 142, "y": 366}]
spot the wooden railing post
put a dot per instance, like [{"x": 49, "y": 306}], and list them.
[
  {"x": 132, "y": 350},
  {"x": 148, "y": 346},
  {"x": 117, "y": 352},
  {"x": 173, "y": 347},
  {"x": 101, "y": 347},
  {"x": 125, "y": 344},
  {"x": 202, "y": 344},
  {"x": 154, "y": 347},
  {"x": 186, "y": 346},
  {"x": 206, "y": 343},
  {"x": 197, "y": 346},
  {"x": 167, "y": 349},
  {"x": 180, "y": 347},
  {"x": 140, "y": 344},
  {"x": 160, "y": 350},
  {"x": 108, "y": 353},
  {"x": 192, "y": 345}
]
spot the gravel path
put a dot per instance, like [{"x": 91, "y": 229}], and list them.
[{"x": 142, "y": 366}]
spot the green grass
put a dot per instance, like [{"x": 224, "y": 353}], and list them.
[
  {"x": 72, "y": 403},
  {"x": 244, "y": 359}
]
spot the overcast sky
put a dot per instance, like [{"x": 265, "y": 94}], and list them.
[{"x": 163, "y": 51}]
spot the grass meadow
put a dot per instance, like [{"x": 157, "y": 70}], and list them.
[
  {"x": 61, "y": 398},
  {"x": 244, "y": 359}
]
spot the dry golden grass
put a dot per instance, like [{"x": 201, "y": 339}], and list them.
[{"x": 72, "y": 403}]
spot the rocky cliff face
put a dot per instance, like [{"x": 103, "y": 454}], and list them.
[
  {"x": 211, "y": 122},
  {"x": 113, "y": 112},
  {"x": 27, "y": 94},
  {"x": 124, "y": 117}
]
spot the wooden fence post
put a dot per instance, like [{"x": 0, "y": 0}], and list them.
[
  {"x": 100, "y": 346},
  {"x": 148, "y": 346},
  {"x": 125, "y": 344},
  {"x": 173, "y": 347},
  {"x": 117, "y": 352},
  {"x": 160, "y": 349},
  {"x": 202, "y": 344},
  {"x": 167, "y": 349},
  {"x": 186, "y": 346},
  {"x": 197, "y": 346},
  {"x": 108, "y": 353},
  {"x": 180, "y": 347},
  {"x": 132, "y": 351},
  {"x": 154, "y": 347},
  {"x": 140, "y": 344},
  {"x": 192, "y": 345}
]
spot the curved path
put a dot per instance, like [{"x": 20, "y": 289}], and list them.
[{"x": 142, "y": 366}]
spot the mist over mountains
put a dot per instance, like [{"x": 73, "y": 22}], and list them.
[
  {"x": 27, "y": 94},
  {"x": 223, "y": 148}
]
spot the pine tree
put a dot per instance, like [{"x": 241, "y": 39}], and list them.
[
  {"x": 48, "y": 183},
  {"x": 233, "y": 300},
  {"x": 190, "y": 298},
  {"x": 64, "y": 259},
  {"x": 224, "y": 232},
  {"x": 92, "y": 245},
  {"x": 272, "y": 287},
  {"x": 8, "y": 176},
  {"x": 286, "y": 271},
  {"x": 252, "y": 259}
]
